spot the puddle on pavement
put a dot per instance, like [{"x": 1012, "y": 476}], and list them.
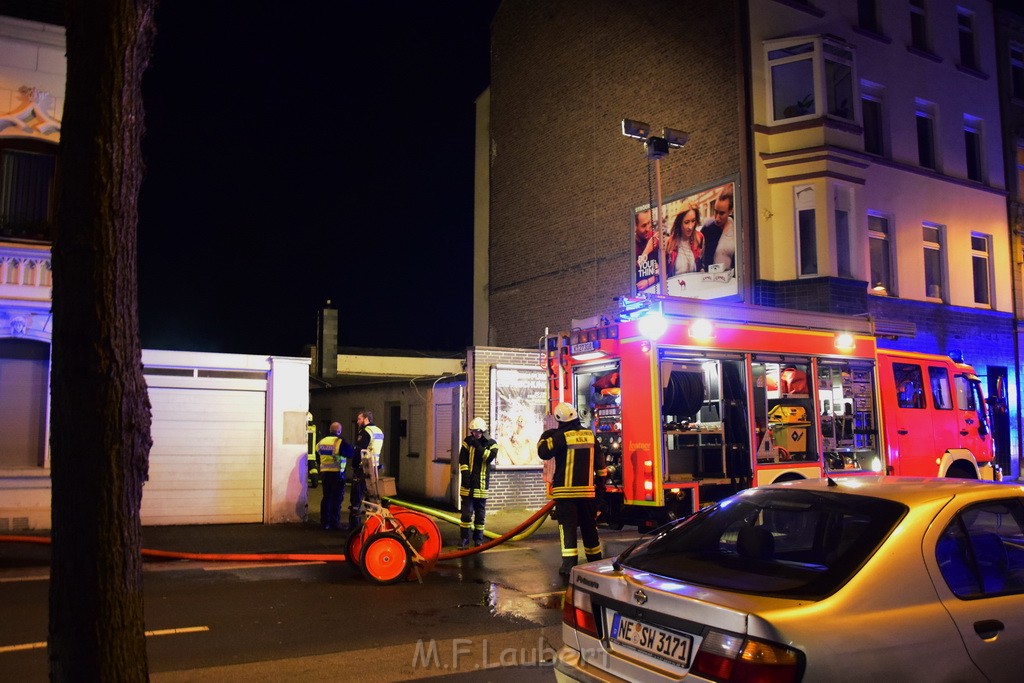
[{"x": 503, "y": 601}]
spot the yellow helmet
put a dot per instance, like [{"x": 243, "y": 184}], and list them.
[
  {"x": 564, "y": 412},
  {"x": 477, "y": 424}
]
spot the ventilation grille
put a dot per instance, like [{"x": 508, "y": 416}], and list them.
[{"x": 895, "y": 328}]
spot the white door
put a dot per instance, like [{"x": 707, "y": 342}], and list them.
[{"x": 207, "y": 461}]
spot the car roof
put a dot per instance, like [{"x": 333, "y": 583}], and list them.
[{"x": 907, "y": 490}]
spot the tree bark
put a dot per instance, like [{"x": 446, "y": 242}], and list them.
[{"x": 100, "y": 418}]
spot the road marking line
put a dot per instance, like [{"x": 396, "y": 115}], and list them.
[
  {"x": 537, "y": 596},
  {"x": 159, "y": 632}
]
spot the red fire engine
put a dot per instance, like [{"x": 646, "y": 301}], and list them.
[{"x": 707, "y": 408}]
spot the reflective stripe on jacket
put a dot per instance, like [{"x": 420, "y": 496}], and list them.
[{"x": 577, "y": 459}]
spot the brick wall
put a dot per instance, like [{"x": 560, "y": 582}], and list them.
[
  {"x": 822, "y": 294},
  {"x": 565, "y": 181}
]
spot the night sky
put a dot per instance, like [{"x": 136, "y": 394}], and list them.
[{"x": 304, "y": 153}]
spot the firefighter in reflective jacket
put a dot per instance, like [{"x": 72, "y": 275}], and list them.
[
  {"x": 579, "y": 471},
  {"x": 369, "y": 439},
  {"x": 475, "y": 456}
]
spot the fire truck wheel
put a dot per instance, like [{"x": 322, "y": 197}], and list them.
[{"x": 386, "y": 558}]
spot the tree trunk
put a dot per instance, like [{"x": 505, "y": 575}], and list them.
[{"x": 100, "y": 429}]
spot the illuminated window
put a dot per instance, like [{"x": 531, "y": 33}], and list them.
[
  {"x": 981, "y": 253},
  {"x": 965, "y": 27},
  {"x": 934, "y": 282},
  {"x": 918, "y": 26},
  {"x": 807, "y": 237},
  {"x": 880, "y": 247},
  {"x": 810, "y": 76}
]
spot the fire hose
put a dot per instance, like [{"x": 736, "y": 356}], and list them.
[{"x": 534, "y": 521}]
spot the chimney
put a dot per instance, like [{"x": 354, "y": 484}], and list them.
[{"x": 327, "y": 343}]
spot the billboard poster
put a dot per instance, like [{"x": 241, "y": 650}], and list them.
[
  {"x": 699, "y": 241},
  {"x": 518, "y": 406}
]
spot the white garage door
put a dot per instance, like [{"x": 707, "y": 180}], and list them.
[{"x": 207, "y": 461}]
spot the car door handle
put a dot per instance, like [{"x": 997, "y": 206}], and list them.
[
  {"x": 988, "y": 628},
  {"x": 964, "y": 432},
  {"x": 902, "y": 432}
]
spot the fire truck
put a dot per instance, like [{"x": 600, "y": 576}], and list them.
[{"x": 691, "y": 409}]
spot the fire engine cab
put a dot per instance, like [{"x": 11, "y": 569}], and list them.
[{"x": 695, "y": 410}]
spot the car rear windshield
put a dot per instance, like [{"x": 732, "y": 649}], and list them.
[{"x": 788, "y": 543}]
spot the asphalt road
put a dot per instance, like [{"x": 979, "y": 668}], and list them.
[{"x": 490, "y": 617}]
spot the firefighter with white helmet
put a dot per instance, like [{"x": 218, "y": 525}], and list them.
[
  {"x": 579, "y": 471},
  {"x": 477, "y": 453}
]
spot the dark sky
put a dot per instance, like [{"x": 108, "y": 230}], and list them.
[{"x": 300, "y": 153}]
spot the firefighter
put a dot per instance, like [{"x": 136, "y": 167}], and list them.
[
  {"x": 333, "y": 451},
  {"x": 369, "y": 440},
  {"x": 578, "y": 474},
  {"x": 475, "y": 457}
]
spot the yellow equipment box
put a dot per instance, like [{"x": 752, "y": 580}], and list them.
[
  {"x": 788, "y": 414},
  {"x": 791, "y": 437}
]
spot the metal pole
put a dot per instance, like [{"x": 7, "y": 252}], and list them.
[{"x": 660, "y": 230}]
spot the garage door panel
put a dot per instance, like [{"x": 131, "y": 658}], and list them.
[{"x": 207, "y": 459}]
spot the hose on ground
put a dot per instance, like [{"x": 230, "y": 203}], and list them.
[
  {"x": 455, "y": 520},
  {"x": 531, "y": 524}
]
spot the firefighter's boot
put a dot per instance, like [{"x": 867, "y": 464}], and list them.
[
  {"x": 593, "y": 557},
  {"x": 478, "y": 537},
  {"x": 567, "y": 564},
  {"x": 464, "y": 539}
]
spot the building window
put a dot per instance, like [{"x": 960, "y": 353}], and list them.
[
  {"x": 965, "y": 27},
  {"x": 981, "y": 252},
  {"x": 844, "y": 248},
  {"x": 1017, "y": 71},
  {"x": 872, "y": 112},
  {"x": 880, "y": 248},
  {"x": 810, "y": 76},
  {"x": 807, "y": 237},
  {"x": 972, "y": 147},
  {"x": 28, "y": 171},
  {"x": 867, "y": 16},
  {"x": 934, "y": 282},
  {"x": 918, "y": 26},
  {"x": 925, "y": 136}
]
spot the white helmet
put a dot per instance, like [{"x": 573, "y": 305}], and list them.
[
  {"x": 477, "y": 424},
  {"x": 564, "y": 412}
]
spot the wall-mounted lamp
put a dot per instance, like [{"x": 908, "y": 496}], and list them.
[{"x": 880, "y": 288}]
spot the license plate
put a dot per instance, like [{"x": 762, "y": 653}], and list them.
[{"x": 672, "y": 647}]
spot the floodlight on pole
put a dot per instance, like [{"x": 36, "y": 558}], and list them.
[{"x": 655, "y": 148}]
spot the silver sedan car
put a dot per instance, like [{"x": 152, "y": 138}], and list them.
[{"x": 852, "y": 579}]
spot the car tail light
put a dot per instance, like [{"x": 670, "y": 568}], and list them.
[
  {"x": 745, "y": 660},
  {"x": 578, "y": 612}
]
